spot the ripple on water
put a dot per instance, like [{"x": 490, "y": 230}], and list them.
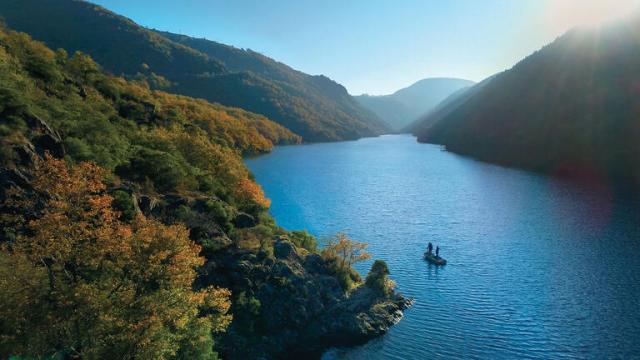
[{"x": 538, "y": 267}]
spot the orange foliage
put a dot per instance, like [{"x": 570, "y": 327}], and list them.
[
  {"x": 89, "y": 284},
  {"x": 249, "y": 190}
]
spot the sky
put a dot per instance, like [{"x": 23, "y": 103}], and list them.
[{"x": 379, "y": 46}]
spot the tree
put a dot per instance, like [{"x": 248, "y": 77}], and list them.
[
  {"x": 378, "y": 278},
  {"x": 348, "y": 251},
  {"x": 341, "y": 253},
  {"x": 80, "y": 283}
]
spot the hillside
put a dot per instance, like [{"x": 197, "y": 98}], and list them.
[
  {"x": 570, "y": 108},
  {"x": 406, "y": 105},
  {"x": 314, "y": 107},
  {"x": 130, "y": 227},
  {"x": 443, "y": 108}
]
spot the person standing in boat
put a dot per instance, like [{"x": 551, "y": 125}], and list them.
[
  {"x": 437, "y": 251},
  {"x": 430, "y": 248}
]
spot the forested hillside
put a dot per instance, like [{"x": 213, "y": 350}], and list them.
[
  {"x": 314, "y": 107},
  {"x": 132, "y": 229},
  {"x": 572, "y": 108}
]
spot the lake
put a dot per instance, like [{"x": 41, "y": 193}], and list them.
[{"x": 539, "y": 267}]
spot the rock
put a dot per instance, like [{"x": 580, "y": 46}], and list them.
[
  {"x": 37, "y": 124},
  {"x": 27, "y": 154},
  {"x": 45, "y": 138},
  {"x": 47, "y": 143},
  {"x": 13, "y": 178},
  {"x": 244, "y": 220},
  {"x": 147, "y": 203},
  {"x": 284, "y": 250},
  {"x": 304, "y": 310},
  {"x": 314, "y": 264},
  {"x": 135, "y": 201}
]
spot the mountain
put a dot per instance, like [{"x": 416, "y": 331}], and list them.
[
  {"x": 572, "y": 108},
  {"x": 405, "y": 105},
  {"x": 131, "y": 228},
  {"x": 314, "y": 107},
  {"x": 445, "y": 107}
]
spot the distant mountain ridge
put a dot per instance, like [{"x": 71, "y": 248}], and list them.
[
  {"x": 572, "y": 107},
  {"x": 315, "y": 107},
  {"x": 445, "y": 107},
  {"x": 406, "y": 105}
]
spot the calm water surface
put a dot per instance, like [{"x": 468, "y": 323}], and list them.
[{"x": 538, "y": 267}]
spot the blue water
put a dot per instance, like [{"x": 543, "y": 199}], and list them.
[{"x": 539, "y": 267}]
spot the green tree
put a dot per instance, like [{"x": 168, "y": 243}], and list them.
[{"x": 378, "y": 278}]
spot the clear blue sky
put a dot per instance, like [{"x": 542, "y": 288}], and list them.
[{"x": 377, "y": 46}]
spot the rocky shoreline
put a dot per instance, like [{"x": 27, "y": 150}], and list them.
[{"x": 303, "y": 309}]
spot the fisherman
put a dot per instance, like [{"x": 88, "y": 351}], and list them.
[
  {"x": 437, "y": 251},
  {"x": 429, "y": 248}
]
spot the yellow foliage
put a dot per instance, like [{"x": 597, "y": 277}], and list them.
[
  {"x": 348, "y": 251},
  {"x": 85, "y": 283},
  {"x": 250, "y": 190}
]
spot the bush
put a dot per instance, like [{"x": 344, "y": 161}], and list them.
[
  {"x": 246, "y": 311},
  {"x": 168, "y": 172},
  {"x": 123, "y": 203},
  {"x": 378, "y": 278},
  {"x": 304, "y": 240},
  {"x": 348, "y": 277}
]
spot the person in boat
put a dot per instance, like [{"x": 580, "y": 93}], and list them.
[
  {"x": 438, "y": 252},
  {"x": 429, "y": 248}
]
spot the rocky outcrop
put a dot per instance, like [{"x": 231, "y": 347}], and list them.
[
  {"x": 302, "y": 311},
  {"x": 16, "y": 171}
]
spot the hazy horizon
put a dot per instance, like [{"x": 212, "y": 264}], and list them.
[{"x": 414, "y": 40}]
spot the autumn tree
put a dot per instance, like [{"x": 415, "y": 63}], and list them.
[
  {"x": 77, "y": 282},
  {"x": 342, "y": 252},
  {"x": 348, "y": 251}
]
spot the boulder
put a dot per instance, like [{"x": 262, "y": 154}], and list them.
[
  {"x": 46, "y": 143},
  {"x": 315, "y": 264},
  {"x": 284, "y": 250},
  {"x": 146, "y": 204},
  {"x": 244, "y": 220},
  {"x": 45, "y": 139}
]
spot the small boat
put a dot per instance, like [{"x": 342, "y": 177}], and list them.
[{"x": 434, "y": 260}]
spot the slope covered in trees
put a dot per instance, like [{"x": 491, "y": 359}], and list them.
[
  {"x": 406, "y": 105},
  {"x": 130, "y": 227},
  {"x": 572, "y": 107},
  {"x": 312, "y": 106}
]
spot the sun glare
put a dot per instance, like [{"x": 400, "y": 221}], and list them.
[{"x": 565, "y": 14}]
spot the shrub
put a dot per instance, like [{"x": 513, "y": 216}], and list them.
[
  {"x": 378, "y": 278},
  {"x": 304, "y": 240},
  {"x": 123, "y": 203}
]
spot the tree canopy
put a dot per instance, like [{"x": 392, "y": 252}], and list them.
[{"x": 83, "y": 284}]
